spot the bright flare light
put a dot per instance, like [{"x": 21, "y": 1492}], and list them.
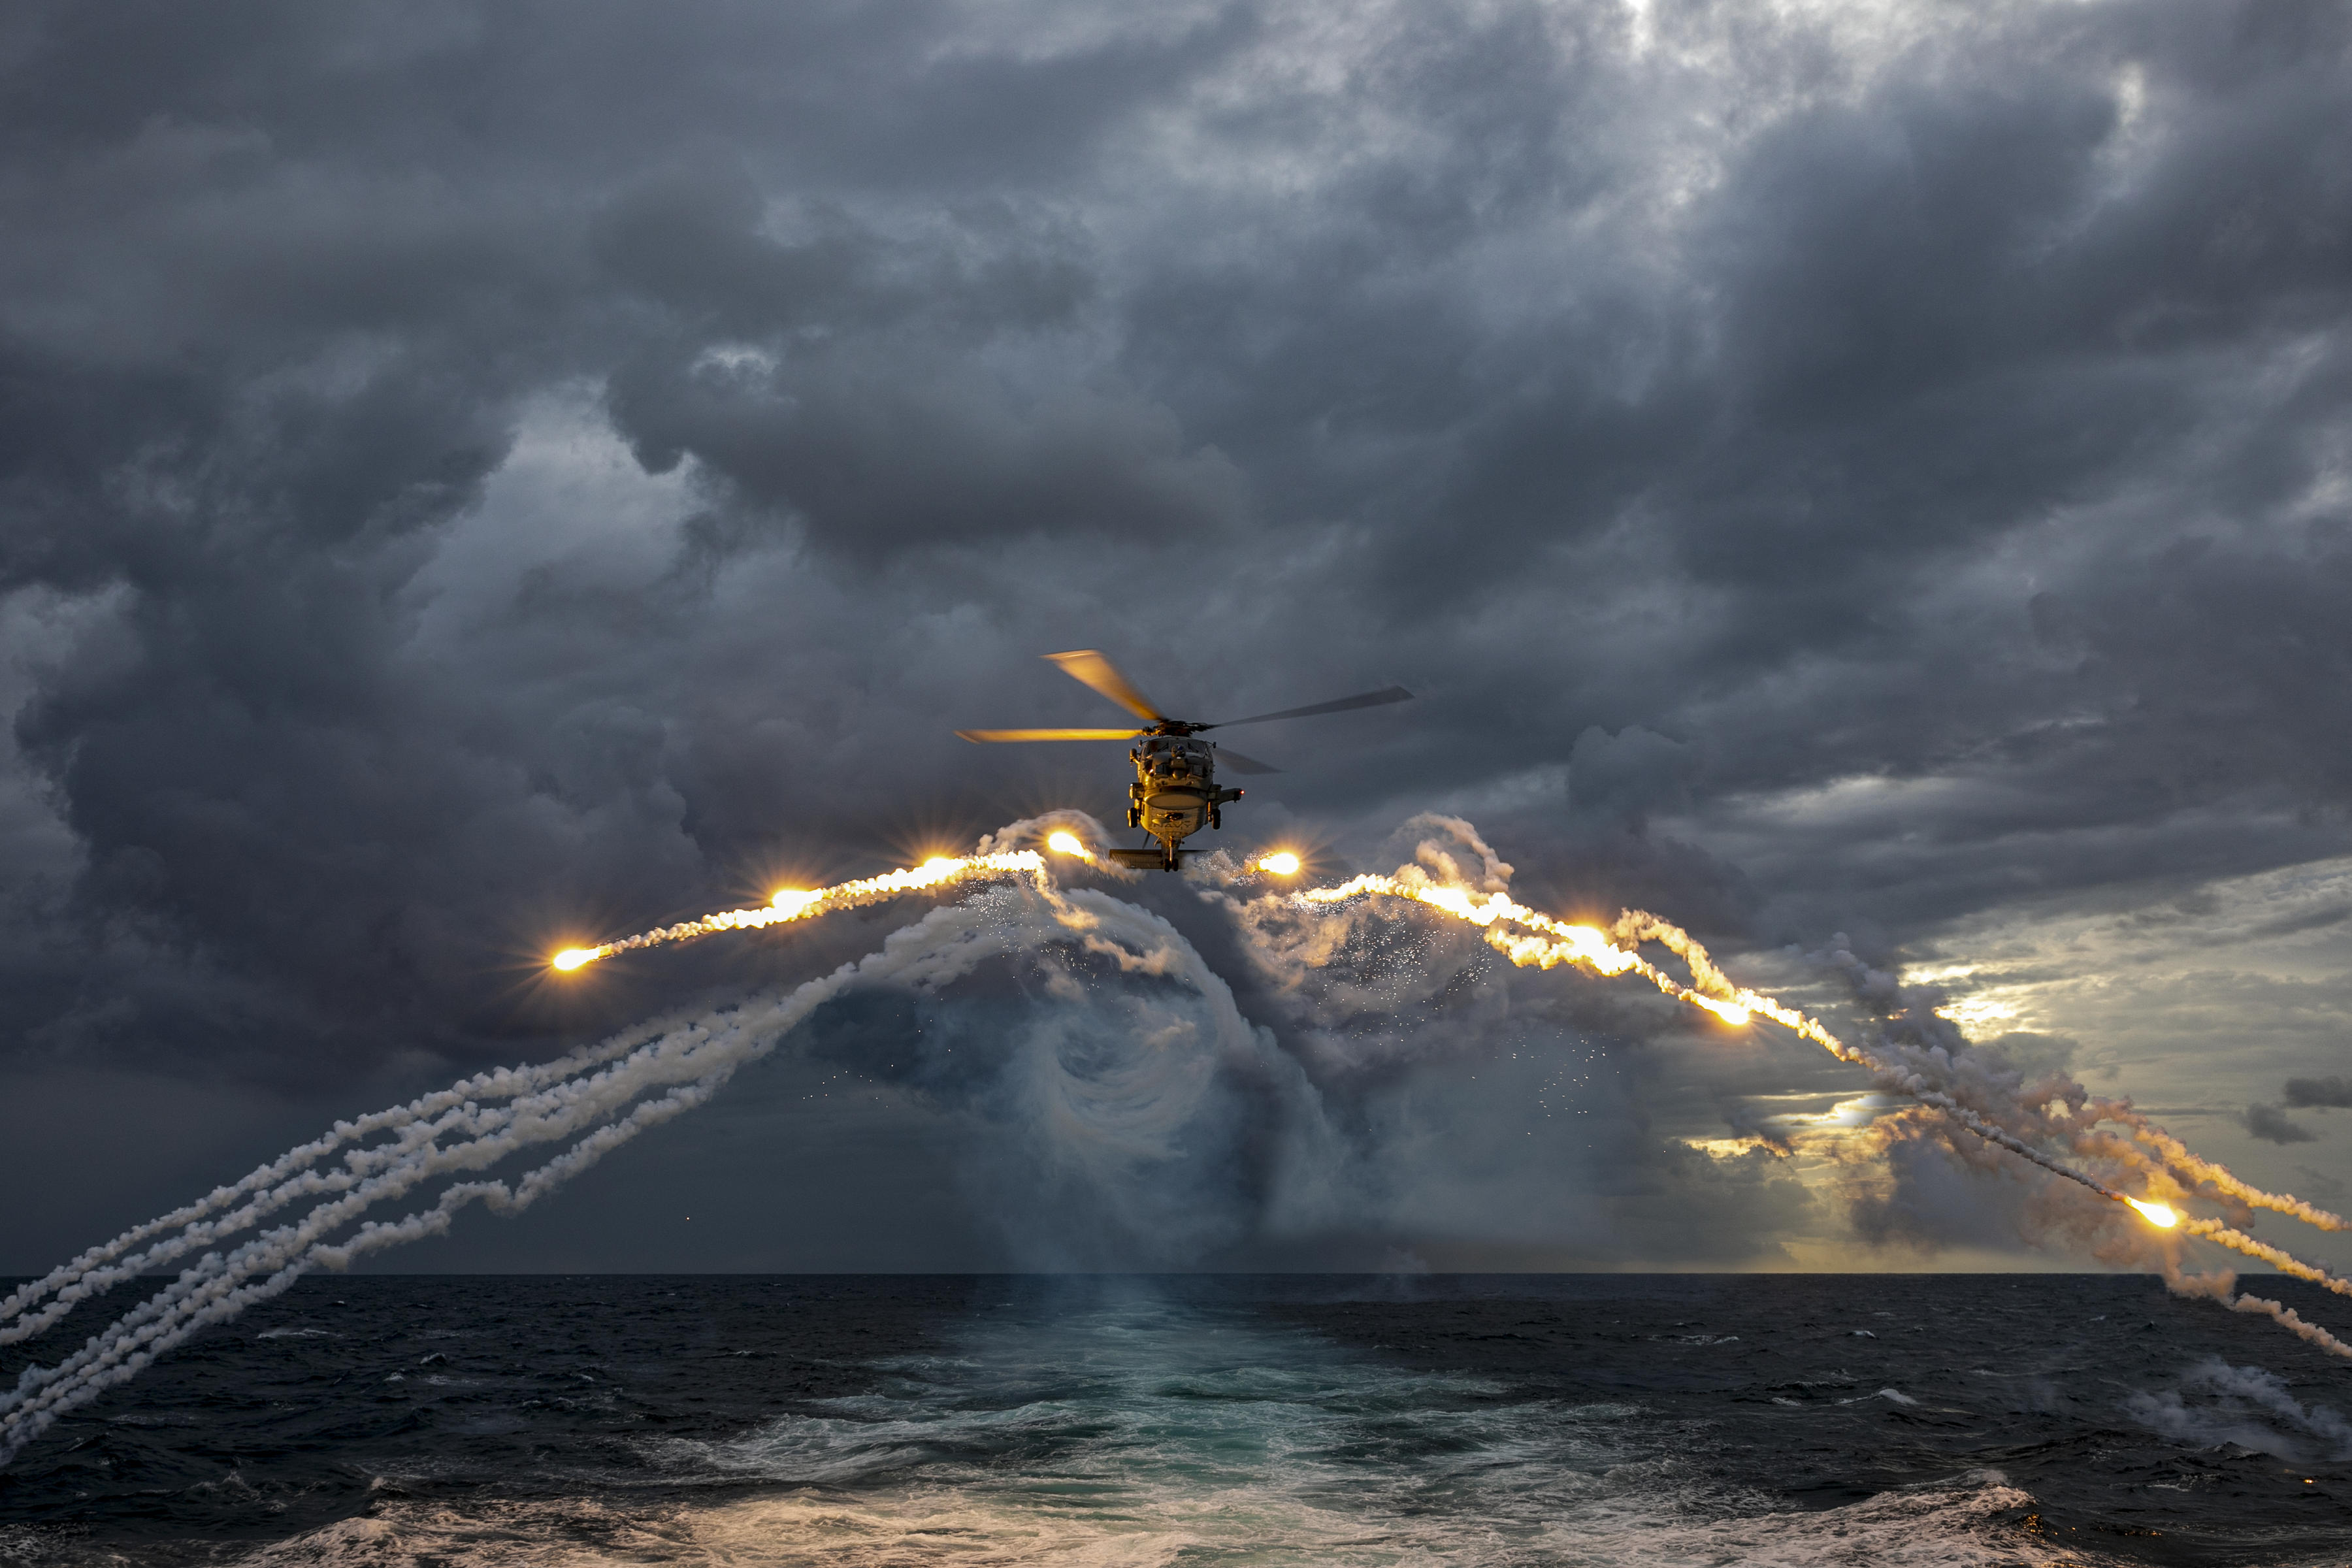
[
  {"x": 1586, "y": 946},
  {"x": 792, "y": 904},
  {"x": 1553, "y": 943}
]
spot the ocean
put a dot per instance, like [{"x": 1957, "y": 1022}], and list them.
[{"x": 1576, "y": 1419}]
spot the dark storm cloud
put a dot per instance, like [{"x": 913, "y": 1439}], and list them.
[
  {"x": 2272, "y": 1125},
  {"x": 471, "y": 473},
  {"x": 2305, "y": 1093}
]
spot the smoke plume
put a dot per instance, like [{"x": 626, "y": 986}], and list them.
[{"x": 1134, "y": 1087}]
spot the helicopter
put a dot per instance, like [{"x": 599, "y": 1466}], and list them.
[{"x": 1175, "y": 792}]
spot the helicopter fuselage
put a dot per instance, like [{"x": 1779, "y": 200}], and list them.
[{"x": 1175, "y": 792}]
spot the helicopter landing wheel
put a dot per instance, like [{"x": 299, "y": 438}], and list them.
[
  {"x": 1134, "y": 816},
  {"x": 1216, "y": 819}
]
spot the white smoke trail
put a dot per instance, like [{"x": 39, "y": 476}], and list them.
[
  {"x": 290, "y": 1178},
  {"x": 1437, "y": 879},
  {"x": 2222, "y": 1286},
  {"x": 2059, "y": 1111},
  {"x": 1454, "y": 872},
  {"x": 2194, "y": 1169},
  {"x": 794, "y": 904},
  {"x": 2278, "y": 1257},
  {"x": 2287, "y": 1319},
  {"x": 687, "y": 1064},
  {"x": 271, "y": 1179},
  {"x": 1916, "y": 1030},
  {"x": 222, "y": 1287},
  {"x": 1044, "y": 829},
  {"x": 605, "y": 1095}
]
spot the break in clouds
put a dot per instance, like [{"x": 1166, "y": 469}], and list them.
[{"x": 473, "y": 476}]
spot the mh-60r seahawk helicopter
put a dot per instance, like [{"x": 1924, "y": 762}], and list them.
[{"x": 1175, "y": 792}]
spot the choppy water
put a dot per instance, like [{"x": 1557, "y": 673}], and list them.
[{"x": 1565, "y": 1419}]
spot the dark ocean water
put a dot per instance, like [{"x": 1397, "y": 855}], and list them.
[{"x": 1549, "y": 1419}]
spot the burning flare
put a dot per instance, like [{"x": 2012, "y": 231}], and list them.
[
  {"x": 792, "y": 904},
  {"x": 598, "y": 1098},
  {"x": 1532, "y": 939},
  {"x": 1559, "y": 941}
]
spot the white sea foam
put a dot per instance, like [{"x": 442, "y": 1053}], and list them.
[
  {"x": 1145, "y": 1432},
  {"x": 1971, "y": 1523}
]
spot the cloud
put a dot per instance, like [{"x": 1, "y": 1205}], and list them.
[
  {"x": 469, "y": 476},
  {"x": 2272, "y": 1125},
  {"x": 2333, "y": 1090}
]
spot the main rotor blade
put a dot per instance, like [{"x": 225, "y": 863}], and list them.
[
  {"x": 1367, "y": 699},
  {"x": 1240, "y": 764},
  {"x": 1048, "y": 734},
  {"x": 1086, "y": 664}
]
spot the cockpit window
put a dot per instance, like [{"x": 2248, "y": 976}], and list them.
[{"x": 1171, "y": 754}]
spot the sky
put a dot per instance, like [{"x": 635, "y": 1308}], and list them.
[{"x": 479, "y": 477}]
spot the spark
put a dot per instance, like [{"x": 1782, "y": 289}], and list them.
[
  {"x": 1589, "y": 947},
  {"x": 794, "y": 904},
  {"x": 2185, "y": 1161},
  {"x": 644, "y": 1077},
  {"x": 1585, "y": 946},
  {"x": 1532, "y": 939}
]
